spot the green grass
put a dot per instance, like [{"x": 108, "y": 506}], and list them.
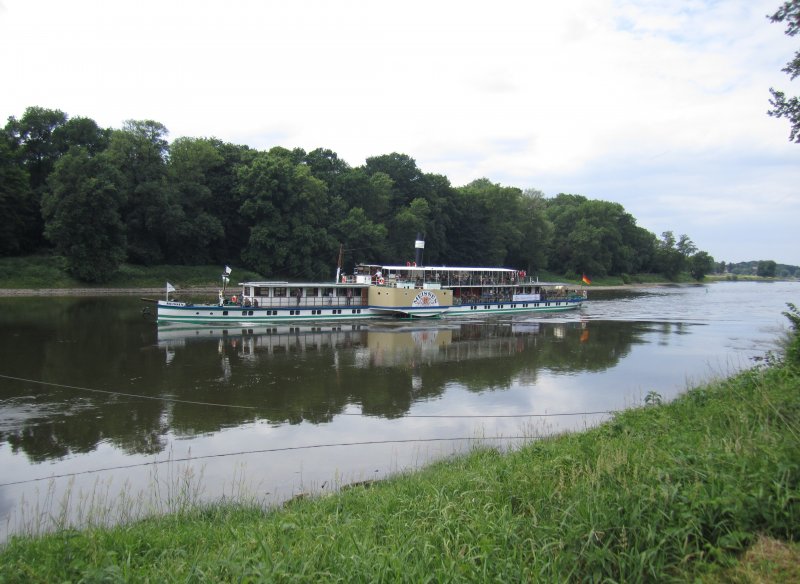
[
  {"x": 46, "y": 271},
  {"x": 673, "y": 492},
  {"x": 40, "y": 271}
]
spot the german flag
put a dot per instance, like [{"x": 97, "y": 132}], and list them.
[{"x": 586, "y": 280}]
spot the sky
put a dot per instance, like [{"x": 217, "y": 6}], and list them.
[{"x": 659, "y": 105}]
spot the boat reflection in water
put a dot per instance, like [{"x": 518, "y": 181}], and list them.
[
  {"x": 366, "y": 345},
  {"x": 311, "y": 373}
]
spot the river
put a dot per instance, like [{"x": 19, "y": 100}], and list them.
[{"x": 105, "y": 416}]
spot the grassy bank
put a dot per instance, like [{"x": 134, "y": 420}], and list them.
[
  {"x": 661, "y": 493},
  {"x": 46, "y": 271}
]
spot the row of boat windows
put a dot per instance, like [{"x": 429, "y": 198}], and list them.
[
  {"x": 300, "y": 292},
  {"x": 524, "y": 305},
  {"x": 291, "y": 312}
]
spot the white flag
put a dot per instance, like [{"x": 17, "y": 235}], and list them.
[
  {"x": 227, "y": 270},
  {"x": 170, "y": 288}
]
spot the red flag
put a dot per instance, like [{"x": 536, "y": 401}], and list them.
[{"x": 586, "y": 280}]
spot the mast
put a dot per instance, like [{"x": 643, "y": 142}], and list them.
[{"x": 339, "y": 263}]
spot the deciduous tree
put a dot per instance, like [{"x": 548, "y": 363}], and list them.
[
  {"x": 700, "y": 264},
  {"x": 82, "y": 218},
  {"x": 783, "y": 107}
]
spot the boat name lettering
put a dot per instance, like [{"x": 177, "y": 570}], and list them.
[{"x": 425, "y": 298}]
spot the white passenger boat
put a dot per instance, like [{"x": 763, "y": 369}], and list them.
[{"x": 376, "y": 291}]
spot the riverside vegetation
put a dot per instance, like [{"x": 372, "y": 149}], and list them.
[{"x": 692, "y": 489}]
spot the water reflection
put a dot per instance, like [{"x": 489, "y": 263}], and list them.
[{"x": 191, "y": 381}]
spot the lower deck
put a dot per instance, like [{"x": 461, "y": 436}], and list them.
[{"x": 237, "y": 313}]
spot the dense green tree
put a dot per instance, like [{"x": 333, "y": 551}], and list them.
[
  {"x": 409, "y": 184},
  {"x": 438, "y": 194},
  {"x": 197, "y": 230},
  {"x": 326, "y": 165},
  {"x": 31, "y": 139},
  {"x": 81, "y": 213},
  {"x": 82, "y": 132},
  {"x": 289, "y": 214},
  {"x": 595, "y": 237},
  {"x": 783, "y": 107},
  {"x": 139, "y": 151},
  {"x": 700, "y": 264},
  {"x": 488, "y": 224},
  {"x": 225, "y": 200},
  {"x": 766, "y": 269},
  {"x": 408, "y": 181},
  {"x": 669, "y": 258},
  {"x": 363, "y": 240},
  {"x": 408, "y": 222},
  {"x": 370, "y": 192},
  {"x": 16, "y": 204},
  {"x": 32, "y": 145},
  {"x": 536, "y": 234}
]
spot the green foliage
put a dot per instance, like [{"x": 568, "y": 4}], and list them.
[
  {"x": 766, "y": 269},
  {"x": 285, "y": 212},
  {"x": 82, "y": 215},
  {"x": 672, "y": 257},
  {"x": 16, "y": 204},
  {"x": 792, "y": 354},
  {"x": 139, "y": 152},
  {"x": 39, "y": 271},
  {"x": 596, "y": 237},
  {"x": 290, "y": 211},
  {"x": 783, "y": 107},
  {"x": 700, "y": 264}
]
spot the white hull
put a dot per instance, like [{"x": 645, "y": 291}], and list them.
[
  {"x": 213, "y": 314},
  {"x": 233, "y": 314}
]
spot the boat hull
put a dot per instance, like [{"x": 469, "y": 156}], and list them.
[{"x": 233, "y": 314}]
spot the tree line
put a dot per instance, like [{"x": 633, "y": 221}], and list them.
[{"x": 102, "y": 196}]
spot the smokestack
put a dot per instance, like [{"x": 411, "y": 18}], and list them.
[{"x": 419, "y": 247}]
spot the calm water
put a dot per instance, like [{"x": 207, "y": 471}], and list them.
[{"x": 92, "y": 393}]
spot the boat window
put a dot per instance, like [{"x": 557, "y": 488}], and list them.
[{"x": 279, "y": 292}]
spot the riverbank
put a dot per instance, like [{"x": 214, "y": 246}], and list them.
[{"x": 672, "y": 492}]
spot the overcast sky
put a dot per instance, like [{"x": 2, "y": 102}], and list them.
[{"x": 659, "y": 105}]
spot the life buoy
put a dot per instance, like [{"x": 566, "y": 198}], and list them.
[
  {"x": 381, "y": 280},
  {"x": 344, "y": 279}
]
